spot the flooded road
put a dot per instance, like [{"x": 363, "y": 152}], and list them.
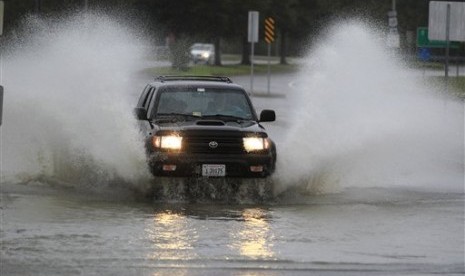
[
  {"x": 369, "y": 177},
  {"x": 56, "y": 231}
]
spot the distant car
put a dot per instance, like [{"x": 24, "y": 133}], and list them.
[
  {"x": 204, "y": 127},
  {"x": 202, "y": 53}
]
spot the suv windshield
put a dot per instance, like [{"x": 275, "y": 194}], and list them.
[
  {"x": 204, "y": 102},
  {"x": 202, "y": 47}
]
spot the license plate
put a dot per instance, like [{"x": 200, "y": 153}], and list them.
[{"x": 213, "y": 170}]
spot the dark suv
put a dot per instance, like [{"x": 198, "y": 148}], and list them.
[{"x": 204, "y": 126}]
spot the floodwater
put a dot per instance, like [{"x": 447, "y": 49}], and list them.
[
  {"x": 369, "y": 181},
  {"x": 58, "y": 231}
]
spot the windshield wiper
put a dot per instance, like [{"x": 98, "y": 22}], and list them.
[
  {"x": 227, "y": 117},
  {"x": 174, "y": 114},
  {"x": 223, "y": 117}
]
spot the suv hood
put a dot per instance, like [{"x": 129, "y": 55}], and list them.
[{"x": 213, "y": 126}]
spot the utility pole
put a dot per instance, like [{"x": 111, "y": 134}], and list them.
[
  {"x": 38, "y": 7},
  {"x": 269, "y": 38},
  {"x": 2, "y": 11},
  {"x": 252, "y": 38},
  {"x": 447, "y": 45},
  {"x": 393, "y": 40}
]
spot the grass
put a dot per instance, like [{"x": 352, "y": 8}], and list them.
[
  {"x": 459, "y": 84},
  {"x": 456, "y": 84},
  {"x": 428, "y": 65}
]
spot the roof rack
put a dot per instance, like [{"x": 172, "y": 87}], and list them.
[{"x": 188, "y": 78}]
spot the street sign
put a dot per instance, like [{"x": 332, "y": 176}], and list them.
[
  {"x": 253, "y": 27},
  {"x": 446, "y": 22},
  {"x": 269, "y": 30},
  {"x": 424, "y": 54},
  {"x": 438, "y": 20},
  {"x": 423, "y": 41}
]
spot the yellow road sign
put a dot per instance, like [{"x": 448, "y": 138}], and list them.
[{"x": 269, "y": 30}]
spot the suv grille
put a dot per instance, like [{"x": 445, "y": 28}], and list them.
[{"x": 213, "y": 145}]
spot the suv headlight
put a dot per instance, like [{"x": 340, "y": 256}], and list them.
[
  {"x": 173, "y": 142},
  {"x": 255, "y": 143}
]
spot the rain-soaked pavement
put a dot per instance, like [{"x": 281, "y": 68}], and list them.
[{"x": 50, "y": 230}]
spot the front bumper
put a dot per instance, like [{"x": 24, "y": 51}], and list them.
[
  {"x": 200, "y": 59},
  {"x": 190, "y": 165}
]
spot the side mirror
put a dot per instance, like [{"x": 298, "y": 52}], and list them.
[
  {"x": 140, "y": 113},
  {"x": 267, "y": 116}
]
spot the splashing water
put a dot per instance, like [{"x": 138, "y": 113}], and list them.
[
  {"x": 68, "y": 102},
  {"x": 364, "y": 119}
]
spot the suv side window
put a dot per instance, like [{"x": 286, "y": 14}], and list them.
[
  {"x": 151, "y": 100},
  {"x": 143, "y": 97}
]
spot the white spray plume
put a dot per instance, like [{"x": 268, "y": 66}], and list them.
[
  {"x": 68, "y": 101},
  {"x": 364, "y": 119}
]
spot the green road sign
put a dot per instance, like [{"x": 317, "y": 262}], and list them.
[{"x": 423, "y": 41}]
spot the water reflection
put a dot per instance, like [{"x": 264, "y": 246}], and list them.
[
  {"x": 254, "y": 239},
  {"x": 189, "y": 234},
  {"x": 171, "y": 236}
]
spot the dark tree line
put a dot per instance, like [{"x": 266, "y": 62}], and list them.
[{"x": 216, "y": 21}]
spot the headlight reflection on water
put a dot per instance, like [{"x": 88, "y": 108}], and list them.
[
  {"x": 255, "y": 239},
  {"x": 176, "y": 237},
  {"x": 172, "y": 237}
]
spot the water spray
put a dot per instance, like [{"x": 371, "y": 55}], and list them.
[{"x": 365, "y": 119}]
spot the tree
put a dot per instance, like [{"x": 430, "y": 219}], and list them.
[
  {"x": 238, "y": 21},
  {"x": 193, "y": 20},
  {"x": 214, "y": 20}
]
